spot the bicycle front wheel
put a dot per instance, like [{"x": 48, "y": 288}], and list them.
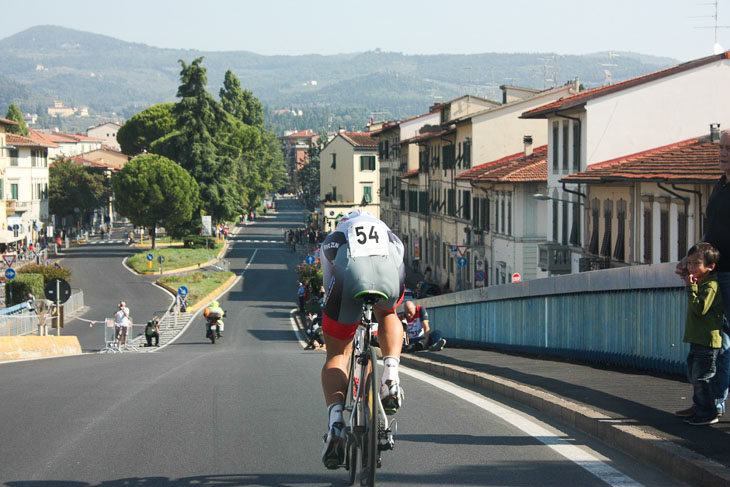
[{"x": 370, "y": 439}]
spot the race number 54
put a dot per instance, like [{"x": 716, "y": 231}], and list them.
[{"x": 368, "y": 239}]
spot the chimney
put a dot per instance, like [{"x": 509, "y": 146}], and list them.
[
  {"x": 715, "y": 133},
  {"x": 342, "y": 129},
  {"x": 527, "y": 140}
]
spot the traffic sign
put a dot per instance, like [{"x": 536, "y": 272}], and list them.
[
  {"x": 461, "y": 261},
  {"x": 160, "y": 259},
  {"x": 150, "y": 257},
  {"x": 479, "y": 276},
  {"x": 9, "y": 259},
  {"x": 516, "y": 277},
  {"x": 64, "y": 290},
  {"x": 9, "y": 274},
  {"x": 182, "y": 291},
  {"x": 309, "y": 259}
]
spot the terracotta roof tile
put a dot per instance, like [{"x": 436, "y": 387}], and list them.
[
  {"x": 515, "y": 168},
  {"x": 359, "y": 139},
  {"x": 20, "y": 141},
  {"x": 427, "y": 136},
  {"x": 5, "y": 121},
  {"x": 693, "y": 160},
  {"x": 42, "y": 138},
  {"x": 585, "y": 96},
  {"x": 300, "y": 134},
  {"x": 409, "y": 174}
]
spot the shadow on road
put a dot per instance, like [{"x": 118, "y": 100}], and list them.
[
  {"x": 274, "y": 335},
  {"x": 234, "y": 480}
]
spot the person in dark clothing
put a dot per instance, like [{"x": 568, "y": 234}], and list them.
[{"x": 152, "y": 330}]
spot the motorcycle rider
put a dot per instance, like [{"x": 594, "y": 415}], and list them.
[{"x": 214, "y": 311}]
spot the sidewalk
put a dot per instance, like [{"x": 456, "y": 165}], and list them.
[{"x": 629, "y": 410}]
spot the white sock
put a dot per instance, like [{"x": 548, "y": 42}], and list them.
[
  {"x": 334, "y": 412},
  {"x": 390, "y": 368}
]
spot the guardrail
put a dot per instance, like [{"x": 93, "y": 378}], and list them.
[
  {"x": 17, "y": 320},
  {"x": 632, "y": 316}
]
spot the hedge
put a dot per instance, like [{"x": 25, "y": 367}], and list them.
[
  {"x": 21, "y": 285},
  {"x": 198, "y": 242},
  {"x": 49, "y": 272}
]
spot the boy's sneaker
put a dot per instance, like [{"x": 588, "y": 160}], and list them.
[
  {"x": 686, "y": 413},
  {"x": 391, "y": 395},
  {"x": 702, "y": 420},
  {"x": 438, "y": 346},
  {"x": 333, "y": 453}
]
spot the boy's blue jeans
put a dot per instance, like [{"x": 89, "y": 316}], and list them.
[
  {"x": 700, "y": 369},
  {"x": 719, "y": 384}
]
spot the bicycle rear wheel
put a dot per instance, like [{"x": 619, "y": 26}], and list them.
[{"x": 372, "y": 422}]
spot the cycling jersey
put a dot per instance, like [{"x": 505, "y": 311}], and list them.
[
  {"x": 414, "y": 326},
  {"x": 362, "y": 254}
]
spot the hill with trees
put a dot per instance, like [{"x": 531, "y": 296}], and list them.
[{"x": 117, "y": 79}]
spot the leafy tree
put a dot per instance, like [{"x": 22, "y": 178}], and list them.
[
  {"x": 262, "y": 163},
  {"x": 72, "y": 186},
  {"x": 232, "y": 97},
  {"x": 136, "y": 136},
  {"x": 16, "y": 115},
  {"x": 152, "y": 190},
  {"x": 254, "y": 110},
  {"x": 308, "y": 176},
  {"x": 200, "y": 143}
]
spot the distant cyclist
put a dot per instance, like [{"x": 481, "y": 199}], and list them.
[{"x": 362, "y": 254}]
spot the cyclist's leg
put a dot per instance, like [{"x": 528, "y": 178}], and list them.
[
  {"x": 334, "y": 372},
  {"x": 390, "y": 335},
  {"x": 338, "y": 339}
]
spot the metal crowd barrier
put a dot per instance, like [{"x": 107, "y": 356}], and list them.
[{"x": 19, "y": 320}]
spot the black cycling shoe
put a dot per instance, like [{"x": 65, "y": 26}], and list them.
[{"x": 333, "y": 453}]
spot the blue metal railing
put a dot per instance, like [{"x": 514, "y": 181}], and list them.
[{"x": 639, "y": 323}]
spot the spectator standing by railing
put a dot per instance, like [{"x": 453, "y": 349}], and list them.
[
  {"x": 702, "y": 331},
  {"x": 122, "y": 323},
  {"x": 717, "y": 233}
]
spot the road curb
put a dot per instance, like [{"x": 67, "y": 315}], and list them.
[
  {"x": 650, "y": 448},
  {"x": 188, "y": 268}
]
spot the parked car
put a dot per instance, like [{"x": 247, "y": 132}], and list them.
[{"x": 426, "y": 289}]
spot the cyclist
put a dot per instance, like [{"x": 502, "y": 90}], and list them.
[{"x": 362, "y": 254}]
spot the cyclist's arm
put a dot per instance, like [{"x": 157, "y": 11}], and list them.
[{"x": 425, "y": 324}]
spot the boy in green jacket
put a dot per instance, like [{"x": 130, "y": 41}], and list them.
[{"x": 702, "y": 331}]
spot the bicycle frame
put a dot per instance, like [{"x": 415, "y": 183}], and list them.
[{"x": 359, "y": 369}]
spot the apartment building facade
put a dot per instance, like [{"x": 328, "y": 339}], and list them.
[
  {"x": 349, "y": 177},
  {"x": 603, "y": 125}
]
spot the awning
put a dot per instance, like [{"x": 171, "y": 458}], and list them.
[{"x": 6, "y": 236}]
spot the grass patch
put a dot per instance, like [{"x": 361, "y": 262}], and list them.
[
  {"x": 175, "y": 258},
  {"x": 199, "y": 283}
]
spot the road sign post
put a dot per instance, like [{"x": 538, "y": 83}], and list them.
[
  {"x": 160, "y": 259},
  {"x": 10, "y": 275}
]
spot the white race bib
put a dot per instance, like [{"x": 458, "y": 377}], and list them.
[{"x": 367, "y": 238}]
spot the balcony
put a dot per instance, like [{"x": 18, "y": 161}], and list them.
[
  {"x": 554, "y": 258},
  {"x": 15, "y": 206}
]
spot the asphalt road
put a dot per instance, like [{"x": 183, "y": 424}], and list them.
[{"x": 248, "y": 410}]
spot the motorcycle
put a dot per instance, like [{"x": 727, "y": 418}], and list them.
[{"x": 213, "y": 328}]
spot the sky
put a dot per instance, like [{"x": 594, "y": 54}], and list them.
[{"x": 671, "y": 28}]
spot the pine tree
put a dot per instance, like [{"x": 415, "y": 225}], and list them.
[{"x": 16, "y": 115}]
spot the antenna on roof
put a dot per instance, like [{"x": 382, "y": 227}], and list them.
[{"x": 716, "y": 47}]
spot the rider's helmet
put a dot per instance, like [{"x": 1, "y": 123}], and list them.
[
  {"x": 351, "y": 215},
  {"x": 215, "y": 304}
]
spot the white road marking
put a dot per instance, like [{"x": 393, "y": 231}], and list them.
[
  {"x": 555, "y": 441},
  {"x": 294, "y": 327}
]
